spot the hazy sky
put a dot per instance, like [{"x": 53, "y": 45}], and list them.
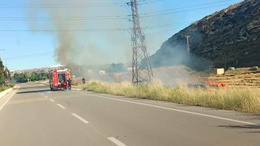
[{"x": 108, "y": 34}]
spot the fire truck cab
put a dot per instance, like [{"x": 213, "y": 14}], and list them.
[{"x": 58, "y": 79}]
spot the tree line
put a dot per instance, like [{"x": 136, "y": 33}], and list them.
[
  {"x": 4, "y": 76},
  {"x": 29, "y": 77}
]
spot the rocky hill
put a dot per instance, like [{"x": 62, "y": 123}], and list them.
[{"x": 230, "y": 36}]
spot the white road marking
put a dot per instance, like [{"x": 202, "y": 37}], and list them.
[
  {"x": 61, "y": 106},
  {"x": 178, "y": 110},
  {"x": 80, "y": 118},
  {"x": 51, "y": 100},
  {"x": 7, "y": 101},
  {"x": 46, "y": 96},
  {"x": 115, "y": 141}
]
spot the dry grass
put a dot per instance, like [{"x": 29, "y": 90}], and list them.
[
  {"x": 239, "y": 77},
  {"x": 238, "y": 99}
]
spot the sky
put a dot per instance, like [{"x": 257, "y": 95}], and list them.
[{"x": 29, "y": 40}]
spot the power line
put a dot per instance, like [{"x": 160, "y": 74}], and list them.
[
  {"x": 167, "y": 25},
  {"x": 61, "y": 18},
  {"x": 149, "y": 2},
  {"x": 190, "y": 6},
  {"x": 143, "y": 15},
  {"x": 31, "y": 55},
  {"x": 65, "y": 30},
  {"x": 173, "y": 12},
  {"x": 99, "y": 44},
  {"x": 60, "y": 6}
]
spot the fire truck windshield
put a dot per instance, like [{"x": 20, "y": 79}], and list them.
[{"x": 61, "y": 78}]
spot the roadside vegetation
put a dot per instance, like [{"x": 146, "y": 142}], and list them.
[
  {"x": 237, "y": 99},
  {"x": 30, "y": 77},
  {"x": 3, "y": 88}
]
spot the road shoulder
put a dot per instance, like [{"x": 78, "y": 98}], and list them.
[{"x": 6, "y": 95}]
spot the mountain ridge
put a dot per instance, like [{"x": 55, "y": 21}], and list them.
[{"x": 230, "y": 36}]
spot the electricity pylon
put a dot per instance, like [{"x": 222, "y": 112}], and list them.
[{"x": 141, "y": 68}]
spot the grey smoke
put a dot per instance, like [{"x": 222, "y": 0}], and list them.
[
  {"x": 80, "y": 47},
  {"x": 77, "y": 48}
]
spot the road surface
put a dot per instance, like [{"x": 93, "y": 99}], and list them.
[{"x": 35, "y": 116}]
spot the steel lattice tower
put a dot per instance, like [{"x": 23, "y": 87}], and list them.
[{"x": 141, "y": 68}]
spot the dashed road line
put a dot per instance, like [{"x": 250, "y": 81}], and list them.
[
  {"x": 61, "y": 106},
  {"x": 46, "y": 96},
  {"x": 80, "y": 118},
  {"x": 115, "y": 141},
  {"x": 51, "y": 100}
]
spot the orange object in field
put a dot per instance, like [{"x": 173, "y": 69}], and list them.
[{"x": 216, "y": 84}]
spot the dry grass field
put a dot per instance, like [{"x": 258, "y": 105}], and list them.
[
  {"x": 237, "y": 99},
  {"x": 172, "y": 84},
  {"x": 241, "y": 77}
]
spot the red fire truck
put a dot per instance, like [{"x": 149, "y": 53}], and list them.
[{"x": 58, "y": 79}]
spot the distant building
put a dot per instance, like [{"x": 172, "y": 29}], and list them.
[{"x": 218, "y": 71}]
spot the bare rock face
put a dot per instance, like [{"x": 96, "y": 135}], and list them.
[{"x": 231, "y": 35}]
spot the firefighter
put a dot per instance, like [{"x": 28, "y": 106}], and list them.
[
  {"x": 83, "y": 80},
  {"x": 69, "y": 84}
]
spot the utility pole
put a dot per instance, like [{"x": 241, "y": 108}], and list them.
[
  {"x": 225, "y": 62},
  {"x": 141, "y": 68},
  {"x": 188, "y": 44}
]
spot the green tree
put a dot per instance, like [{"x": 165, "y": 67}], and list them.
[
  {"x": 2, "y": 78},
  {"x": 20, "y": 78},
  {"x": 7, "y": 74},
  {"x": 39, "y": 76},
  {"x": 33, "y": 77}
]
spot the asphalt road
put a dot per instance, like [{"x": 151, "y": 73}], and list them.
[{"x": 35, "y": 116}]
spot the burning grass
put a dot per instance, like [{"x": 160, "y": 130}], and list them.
[{"x": 238, "y": 99}]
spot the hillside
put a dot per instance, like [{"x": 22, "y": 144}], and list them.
[
  {"x": 231, "y": 35},
  {"x": 241, "y": 77}
]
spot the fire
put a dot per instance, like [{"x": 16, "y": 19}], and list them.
[{"x": 216, "y": 84}]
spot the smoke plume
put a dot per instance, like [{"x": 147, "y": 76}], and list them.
[
  {"x": 78, "y": 41},
  {"x": 74, "y": 46}
]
